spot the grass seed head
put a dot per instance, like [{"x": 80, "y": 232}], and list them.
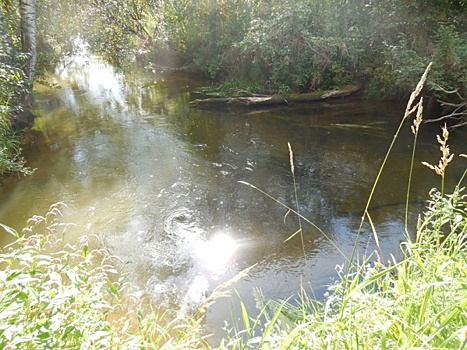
[{"x": 446, "y": 155}]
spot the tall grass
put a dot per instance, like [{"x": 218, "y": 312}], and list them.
[{"x": 419, "y": 302}]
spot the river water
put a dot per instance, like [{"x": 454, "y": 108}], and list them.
[{"x": 161, "y": 184}]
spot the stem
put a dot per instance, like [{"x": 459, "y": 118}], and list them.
[
  {"x": 292, "y": 168},
  {"x": 409, "y": 185}
]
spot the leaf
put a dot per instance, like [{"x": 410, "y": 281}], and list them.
[
  {"x": 10, "y": 230},
  {"x": 66, "y": 331},
  {"x": 272, "y": 323},
  {"x": 13, "y": 275},
  {"x": 85, "y": 251},
  {"x": 246, "y": 318},
  {"x": 112, "y": 288},
  {"x": 33, "y": 292},
  {"x": 98, "y": 335}
]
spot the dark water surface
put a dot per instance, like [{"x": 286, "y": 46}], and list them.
[{"x": 159, "y": 182}]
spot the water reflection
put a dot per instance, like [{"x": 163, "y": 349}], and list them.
[
  {"x": 159, "y": 182},
  {"x": 217, "y": 252}
]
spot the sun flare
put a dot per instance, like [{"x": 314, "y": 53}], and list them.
[{"x": 217, "y": 251}]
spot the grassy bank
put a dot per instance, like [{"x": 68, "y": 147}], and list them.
[
  {"x": 55, "y": 295},
  {"x": 417, "y": 303}
]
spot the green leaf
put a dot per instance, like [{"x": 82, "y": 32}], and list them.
[
  {"x": 113, "y": 289},
  {"x": 85, "y": 251},
  {"x": 271, "y": 323},
  {"x": 246, "y": 318},
  {"x": 13, "y": 275},
  {"x": 10, "y": 230}
]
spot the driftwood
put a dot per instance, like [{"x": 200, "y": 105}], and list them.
[
  {"x": 269, "y": 101},
  {"x": 457, "y": 110}
]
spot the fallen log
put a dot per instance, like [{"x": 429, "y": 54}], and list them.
[{"x": 279, "y": 100}]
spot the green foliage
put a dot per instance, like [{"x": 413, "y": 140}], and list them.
[
  {"x": 206, "y": 30},
  {"x": 290, "y": 45},
  {"x": 292, "y": 52},
  {"x": 285, "y": 45},
  {"x": 12, "y": 85},
  {"x": 67, "y": 296}
]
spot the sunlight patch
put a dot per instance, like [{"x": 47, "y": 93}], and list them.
[{"x": 217, "y": 251}]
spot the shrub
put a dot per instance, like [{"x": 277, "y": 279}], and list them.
[{"x": 12, "y": 85}]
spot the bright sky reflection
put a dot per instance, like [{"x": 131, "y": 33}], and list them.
[{"x": 217, "y": 251}]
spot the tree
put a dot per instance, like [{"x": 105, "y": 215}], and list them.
[
  {"x": 28, "y": 35},
  {"x": 5, "y": 39},
  {"x": 28, "y": 44}
]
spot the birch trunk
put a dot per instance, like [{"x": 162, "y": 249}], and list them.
[
  {"x": 5, "y": 40},
  {"x": 28, "y": 35},
  {"x": 28, "y": 42}
]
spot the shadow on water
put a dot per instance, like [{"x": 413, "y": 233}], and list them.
[{"x": 159, "y": 182}]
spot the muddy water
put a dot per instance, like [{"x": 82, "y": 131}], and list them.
[{"x": 158, "y": 181}]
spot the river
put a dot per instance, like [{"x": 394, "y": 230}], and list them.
[{"x": 161, "y": 183}]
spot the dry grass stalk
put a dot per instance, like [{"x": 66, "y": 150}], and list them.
[
  {"x": 409, "y": 110},
  {"x": 446, "y": 156},
  {"x": 418, "y": 119},
  {"x": 292, "y": 168}
]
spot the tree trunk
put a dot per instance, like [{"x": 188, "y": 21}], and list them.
[
  {"x": 28, "y": 43},
  {"x": 28, "y": 35},
  {"x": 5, "y": 40}
]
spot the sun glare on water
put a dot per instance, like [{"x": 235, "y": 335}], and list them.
[{"x": 217, "y": 251}]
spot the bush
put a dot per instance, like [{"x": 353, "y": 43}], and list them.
[
  {"x": 293, "y": 46},
  {"x": 12, "y": 85}
]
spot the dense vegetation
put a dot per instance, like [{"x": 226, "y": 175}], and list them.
[
  {"x": 14, "y": 87},
  {"x": 273, "y": 45},
  {"x": 289, "y": 45}
]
